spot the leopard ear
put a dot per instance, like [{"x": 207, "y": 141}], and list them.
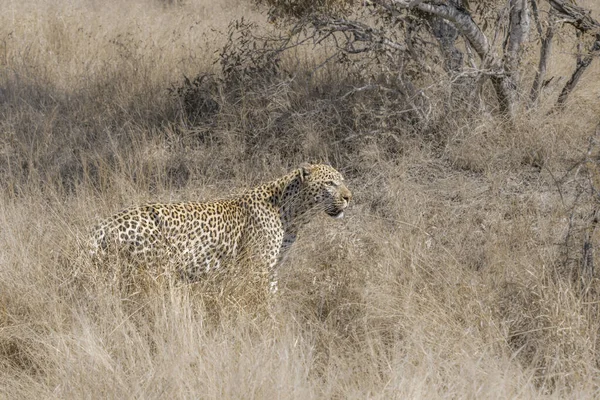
[{"x": 305, "y": 171}]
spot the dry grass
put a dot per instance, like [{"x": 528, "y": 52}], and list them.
[{"x": 449, "y": 277}]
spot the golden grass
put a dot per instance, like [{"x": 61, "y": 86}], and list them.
[{"x": 447, "y": 278}]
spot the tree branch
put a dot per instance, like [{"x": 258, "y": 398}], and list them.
[
  {"x": 536, "y": 16},
  {"x": 577, "y": 16},
  {"x": 460, "y": 18},
  {"x": 544, "y": 56},
  {"x": 579, "y": 70},
  {"x": 582, "y": 21},
  {"x": 360, "y": 33}
]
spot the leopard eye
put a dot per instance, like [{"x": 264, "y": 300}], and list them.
[{"x": 331, "y": 183}]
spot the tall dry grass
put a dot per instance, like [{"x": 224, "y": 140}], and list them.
[{"x": 454, "y": 273}]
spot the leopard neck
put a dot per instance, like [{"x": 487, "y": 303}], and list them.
[{"x": 285, "y": 194}]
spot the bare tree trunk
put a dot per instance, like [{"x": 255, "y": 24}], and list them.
[
  {"x": 505, "y": 92},
  {"x": 519, "y": 23},
  {"x": 540, "y": 74},
  {"x": 517, "y": 33}
]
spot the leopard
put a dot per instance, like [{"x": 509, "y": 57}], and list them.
[{"x": 259, "y": 225}]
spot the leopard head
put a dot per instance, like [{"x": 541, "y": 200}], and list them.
[{"x": 323, "y": 188}]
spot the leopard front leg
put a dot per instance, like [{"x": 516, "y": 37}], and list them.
[
  {"x": 262, "y": 247},
  {"x": 273, "y": 261},
  {"x": 286, "y": 243}
]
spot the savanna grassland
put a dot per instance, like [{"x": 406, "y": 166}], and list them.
[{"x": 456, "y": 273}]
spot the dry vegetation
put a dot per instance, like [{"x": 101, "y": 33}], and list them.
[{"x": 456, "y": 272}]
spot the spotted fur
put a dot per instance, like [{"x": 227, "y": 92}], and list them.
[{"x": 260, "y": 225}]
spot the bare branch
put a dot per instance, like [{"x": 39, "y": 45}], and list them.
[
  {"x": 536, "y": 17},
  {"x": 582, "y": 21},
  {"x": 577, "y": 16},
  {"x": 360, "y": 33},
  {"x": 579, "y": 70},
  {"x": 545, "y": 51},
  {"x": 464, "y": 23}
]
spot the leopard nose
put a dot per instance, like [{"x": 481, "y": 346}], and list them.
[{"x": 347, "y": 196}]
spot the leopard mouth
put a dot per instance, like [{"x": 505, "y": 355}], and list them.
[{"x": 336, "y": 213}]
